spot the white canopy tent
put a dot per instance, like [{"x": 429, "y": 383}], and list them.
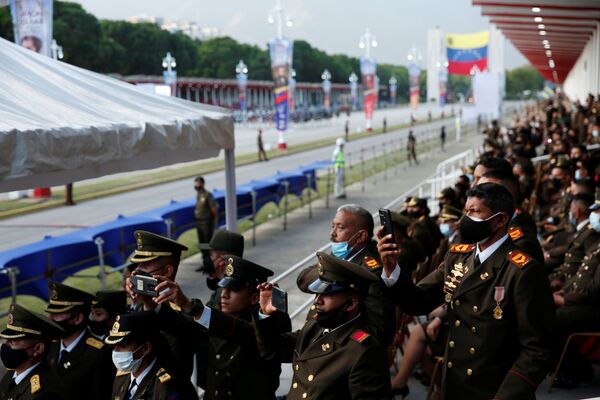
[{"x": 60, "y": 124}]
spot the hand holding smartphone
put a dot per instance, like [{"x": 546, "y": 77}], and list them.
[{"x": 385, "y": 217}]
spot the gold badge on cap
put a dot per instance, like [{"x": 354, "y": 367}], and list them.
[
  {"x": 10, "y": 318},
  {"x": 53, "y": 293},
  {"x": 321, "y": 269},
  {"x": 229, "y": 267},
  {"x": 116, "y": 326}
]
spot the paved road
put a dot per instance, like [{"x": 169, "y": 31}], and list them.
[{"x": 29, "y": 228}]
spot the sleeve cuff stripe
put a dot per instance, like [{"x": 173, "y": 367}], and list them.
[{"x": 523, "y": 377}]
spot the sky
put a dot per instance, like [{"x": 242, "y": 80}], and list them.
[{"x": 331, "y": 25}]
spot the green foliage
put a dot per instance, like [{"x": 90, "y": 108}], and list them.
[
  {"x": 6, "y": 26},
  {"x": 523, "y": 79}
]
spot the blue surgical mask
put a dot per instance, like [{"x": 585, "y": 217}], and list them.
[
  {"x": 471, "y": 177},
  {"x": 595, "y": 221},
  {"x": 124, "y": 360},
  {"x": 446, "y": 229},
  {"x": 595, "y": 133},
  {"x": 578, "y": 175},
  {"x": 572, "y": 219},
  {"x": 341, "y": 250}
]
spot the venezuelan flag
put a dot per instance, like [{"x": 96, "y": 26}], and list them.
[{"x": 465, "y": 51}]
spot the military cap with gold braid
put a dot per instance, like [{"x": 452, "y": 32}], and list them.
[
  {"x": 449, "y": 213},
  {"x": 596, "y": 204},
  {"x": 240, "y": 273},
  {"x": 150, "y": 246},
  {"x": 63, "y": 298},
  {"x": 24, "y": 323},
  {"x": 400, "y": 220},
  {"x": 336, "y": 275},
  {"x": 417, "y": 202},
  {"x": 137, "y": 326},
  {"x": 446, "y": 193},
  {"x": 113, "y": 301}
]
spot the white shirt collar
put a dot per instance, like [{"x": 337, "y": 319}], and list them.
[
  {"x": 73, "y": 344},
  {"x": 485, "y": 254},
  {"x": 141, "y": 376},
  {"x": 582, "y": 224},
  {"x": 19, "y": 377}
]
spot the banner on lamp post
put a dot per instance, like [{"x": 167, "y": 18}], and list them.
[
  {"x": 354, "y": 93},
  {"x": 242, "y": 82},
  {"x": 443, "y": 80},
  {"x": 414, "y": 73},
  {"x": 326, "y": 94},
  {"x": 368, "y": 67},
  {"x": 393, "y": 93},
  {"x": 32, "y": 24},
  {"x": 281, "y": 64}
]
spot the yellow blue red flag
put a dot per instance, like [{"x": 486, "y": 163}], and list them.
[{"x": 466, "y": 52}]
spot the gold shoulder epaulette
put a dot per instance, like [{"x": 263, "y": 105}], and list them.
[
  {"x": 34, "y": 381},
  {"x": 359, "y": 336},
  {"x": 94, "y": 343},
  {"x": 371, "y": 263},
  {"x": 121, "y": 373},
  {"x": 515, "y": 233},
  {"x": 461, "y": 248},
  {"x": 518, "y": 258},
  {"x": 175, "y": 306},
  {"x": 163, "y": 376}
]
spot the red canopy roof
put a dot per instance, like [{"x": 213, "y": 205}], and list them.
[{"x": 551, "y": 34}]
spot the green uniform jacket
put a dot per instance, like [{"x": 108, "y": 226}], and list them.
[
  {"x": 88, "y": 368},
  {"x": 158, "y": 384},
  {"x": 380, "y": 311},
  {"x": 583, "y": 242},
  {"x": 344, "y": 364},
  {"x": 584, "y": 287},
  {"x": 487, "y": 357},
  {"x": 524, "y": 235},
  {"x": 40, "y": 384},
  {"x": 235, "y": 369}
]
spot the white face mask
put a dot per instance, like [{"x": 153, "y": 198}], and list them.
[{"x": 124, "y": 360}]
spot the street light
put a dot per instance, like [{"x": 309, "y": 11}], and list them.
[
  {"x": 57, "y": 51},
  {"x": 241, "y": 71},
  {"x": 326, "y": 76},
  {"x": 393, "y": 88},
  {"x": 367, "y": 40},
  {"x": 278, "y": 15},
  {"x": 169, "y": 76},
  {"x": 353, "y": 79},
  {"x": 169, "y": 62}
]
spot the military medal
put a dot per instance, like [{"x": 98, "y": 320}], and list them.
[
  {"x": 448, "y": 297},
  {"x": 498, "y": 297}
]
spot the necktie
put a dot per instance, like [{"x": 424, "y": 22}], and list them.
[
  {"x": 131, "y": 390},
  {"x": 477, "y": 263},
  {"x": 61, "y": 357}
]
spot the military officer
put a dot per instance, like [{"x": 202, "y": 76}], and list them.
[
  {"x": 141, "y": 373},
  {"x": 448, "y": 219},
  {"x": 424, "y": 228},
  {"x": 206, "y": 215},
  {"x": 158, "y": 255},
  {"x": 352, "y": 240},
  {"x": 78, "y": 358},
  {"x": 522, "y": 230},
  {"x": 105, "y": 308},
  {"x": 583, "y": 241},
  {"x": 28, "y": 336},
  {"x": 234, "y": 368},
  {"x": 499, "y": 304},
  {"x": 333, "y": 355}
]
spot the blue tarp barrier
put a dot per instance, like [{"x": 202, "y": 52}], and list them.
[{"x": 58, "y": 257}]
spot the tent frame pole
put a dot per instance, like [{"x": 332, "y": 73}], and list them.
[{"x": 230, "y": 192}]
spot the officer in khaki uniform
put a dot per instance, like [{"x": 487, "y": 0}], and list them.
[
  {"x": 205, "y": 213},
  {"x": 424, "y": 228},
  {"x": 141, "y": 372},
  {"x": 28, "y": 336},
  {"x": 333, "y": 356},
  {"x": 498, "y": 301},
  {"x": 233, "y": 367},
  {"x": 80, "y": 360}
]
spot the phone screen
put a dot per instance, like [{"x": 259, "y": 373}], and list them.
[{"x": 279, "y": 299}]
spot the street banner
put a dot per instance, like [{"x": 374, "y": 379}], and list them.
[
  {"x": 32, "y": 24},
  {"x": 292, "y": 93},
  {"x": 242, "y": 82},
  {"x": 281, "y": 63},
  {"x": 354, "y": 93},
  {"x": 393, "y": 92},
  {"x": 368, "y": 67},
  {"x": 326, "y": 93},
  {"x": 414, "y": 73},
  {"x": 443, "y": 82},
  {"x": 467, "y": 53}
]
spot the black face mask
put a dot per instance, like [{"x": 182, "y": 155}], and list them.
[
  {"x": 70, "y": 328},
  {"x": 475, "y": 231},
  {"x": 334, "y": 318},
  {"x": 212, "y": 283},
  {"x": 99, "y": 328},
  {"x": 12, "y": 358},
  {"x": 413, "y": 214},
  {"x": 557, "y": 183}
]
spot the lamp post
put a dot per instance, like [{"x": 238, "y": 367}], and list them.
[
  {"x": 393, "y": 89},
  {"x": 368, "y": 68},
  {"x": 292, "y": 85},
  {"x": 414, "y": 58},
  {"x": 241, "y": 75},
  {"x": 169, "y": 76},
  {"x": 57, "y": 51},
  {"x": 280, "y": 50},
  {"x": 353, "y": 79},
  {"x": 326, "y": 76}
]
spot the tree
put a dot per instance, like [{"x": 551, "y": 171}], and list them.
[{"x": 523, "y": 79}]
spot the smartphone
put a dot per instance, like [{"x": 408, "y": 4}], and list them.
[
  {"x": 385, "y": 217},
  {"x": 280, "y": 299},
  {"x": 144, "y": 285}
]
